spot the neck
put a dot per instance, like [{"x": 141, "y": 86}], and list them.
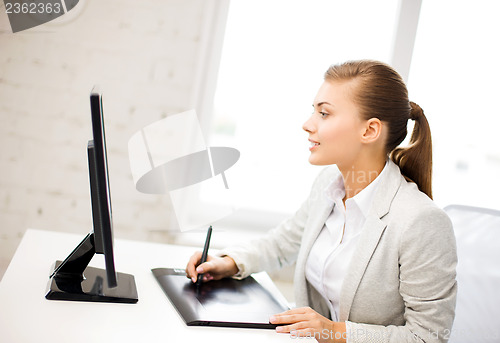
[{"x": 359, "y": 175}]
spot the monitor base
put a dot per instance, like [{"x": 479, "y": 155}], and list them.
[{"x": 93, "y": 287}]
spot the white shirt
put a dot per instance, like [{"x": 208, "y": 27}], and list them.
[{"x": 332, "y": 251}]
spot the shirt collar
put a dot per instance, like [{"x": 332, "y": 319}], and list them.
[
  {"x": 364, "y": 199},
  {"x": 335, "y": 192}
]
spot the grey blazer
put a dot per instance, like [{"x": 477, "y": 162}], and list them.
[{"x": 400, "y": 286}]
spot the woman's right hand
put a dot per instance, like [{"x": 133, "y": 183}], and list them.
[{"x": 215, "y": 268}]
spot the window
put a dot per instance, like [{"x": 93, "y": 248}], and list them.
[
  {"x": 454, "y": 77},
  {"x": 273, "y": 60}
]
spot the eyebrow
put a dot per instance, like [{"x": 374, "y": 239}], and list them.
[{"x": 322, "y": 103}]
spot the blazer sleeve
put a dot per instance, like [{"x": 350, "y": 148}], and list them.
[
  {"x": 280, "y": 246},
  {"x": 428, "y": 287}
]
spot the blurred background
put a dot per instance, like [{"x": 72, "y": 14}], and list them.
[{"x": 251, "y": 70}]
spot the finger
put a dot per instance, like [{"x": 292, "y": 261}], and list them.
[
  {"x": 191, "y": 266},
  {"x": 297, "y": 310},
  {"x": 292, "y": 327},
  {"x": 206, "y": 277},
  {"x": 287, "y": 318},
  {"x": 292, "y": 316},
  {"x": 205, "y": 267}
]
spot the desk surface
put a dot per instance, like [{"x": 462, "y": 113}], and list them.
[{"x": 26, "y": 316}]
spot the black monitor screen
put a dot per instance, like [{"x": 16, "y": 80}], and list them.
[
  {"x": 73, "y": 279},
  {"x": 99, "y": 186}
]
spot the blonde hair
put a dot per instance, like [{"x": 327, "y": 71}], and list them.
[{"x": 381, "y": 93}]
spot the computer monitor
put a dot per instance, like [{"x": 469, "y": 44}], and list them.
[{"x": 73, "y": 279}]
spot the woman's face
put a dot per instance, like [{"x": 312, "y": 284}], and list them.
[{"x": 335, "y": 127}]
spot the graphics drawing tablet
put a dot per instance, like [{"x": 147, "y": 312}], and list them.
[{"x": 245, "y": 303}]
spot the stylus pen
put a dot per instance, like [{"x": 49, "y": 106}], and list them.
[{"x": 204, "y": 254}]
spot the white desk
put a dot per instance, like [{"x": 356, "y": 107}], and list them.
[{"x": 26, "y": 316}]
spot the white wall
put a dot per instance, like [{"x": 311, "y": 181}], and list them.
[{"x": 144, "y": 55}]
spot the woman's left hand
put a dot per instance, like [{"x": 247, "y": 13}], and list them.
[{"x": 305, "y": 322}]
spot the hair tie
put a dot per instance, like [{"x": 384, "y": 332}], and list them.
[{"x": 416, "y": 111}]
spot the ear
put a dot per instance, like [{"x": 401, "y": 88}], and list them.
[{"x": 373, "y": 130}]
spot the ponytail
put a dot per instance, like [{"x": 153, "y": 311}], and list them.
[
  {"x": 415, "y": 160},
  {"x": 381, "y": 93}
]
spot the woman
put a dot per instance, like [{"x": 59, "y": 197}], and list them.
[{"x": 375, "y": 256}]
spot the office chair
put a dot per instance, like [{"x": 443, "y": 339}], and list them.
[{"x": 477, "y": 231}]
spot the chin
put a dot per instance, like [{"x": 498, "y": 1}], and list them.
[{"x": 318, "y": 162}]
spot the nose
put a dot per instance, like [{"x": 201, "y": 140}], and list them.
[{"x": 308, "y": 126}]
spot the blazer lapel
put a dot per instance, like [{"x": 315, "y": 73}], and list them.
[
  {"x": 366, "y": 245},
  {"x": 324, "y": 209},
  {"x": 321, "y": 209},
  {"x": 369, "y": 237}
]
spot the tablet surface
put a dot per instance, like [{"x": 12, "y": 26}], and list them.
[{"x": 228, "y": 302}]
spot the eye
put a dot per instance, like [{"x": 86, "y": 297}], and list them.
[{"x": 323, "y": 114}]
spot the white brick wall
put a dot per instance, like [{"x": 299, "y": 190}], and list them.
[{"x": 143, "y": 54}]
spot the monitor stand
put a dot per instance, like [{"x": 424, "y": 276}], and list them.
[{"x": 68, "y": 282}]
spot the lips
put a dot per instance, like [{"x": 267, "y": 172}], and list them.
[{"x": 313, "y": 145}]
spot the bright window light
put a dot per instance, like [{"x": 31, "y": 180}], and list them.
[
  {"x": 454, "y": 78},
  {"x": 274, "y": 56}
]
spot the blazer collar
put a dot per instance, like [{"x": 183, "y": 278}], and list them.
[
  {"x": 387, "y": 190},
  {"x": 369, "y": 237},
  {"x": 381, "y": 202}
]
